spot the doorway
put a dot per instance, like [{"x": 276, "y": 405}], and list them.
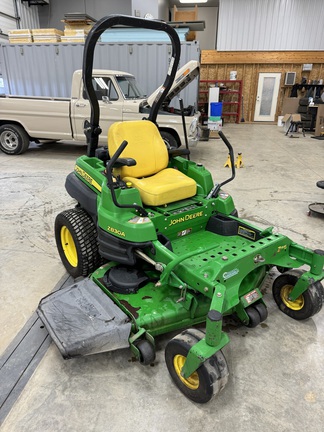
[{"x": 267, "y": 96}]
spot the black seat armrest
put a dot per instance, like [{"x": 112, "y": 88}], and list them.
[
  {"x": 178, "y": 152},
  {"x": 124, "y": 162}
]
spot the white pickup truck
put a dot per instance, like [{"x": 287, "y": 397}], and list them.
[{"x": 25, "y": 119}]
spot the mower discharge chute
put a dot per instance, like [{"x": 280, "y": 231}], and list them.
[{"x": 162, "y": 249}]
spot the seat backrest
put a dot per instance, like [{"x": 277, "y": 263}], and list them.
[{"x": 145, "y": 145}]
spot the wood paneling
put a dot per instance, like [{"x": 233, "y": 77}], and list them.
[
  {"x": 217, "y": 65},
  {"x": 250, "y": 57}
]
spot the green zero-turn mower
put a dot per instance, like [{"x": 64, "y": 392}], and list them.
[{"x": 163, "y": 249}]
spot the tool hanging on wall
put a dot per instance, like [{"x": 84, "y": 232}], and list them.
[{"x": 242, "y": 118}]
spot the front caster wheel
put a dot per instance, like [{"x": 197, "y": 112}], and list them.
[
  {"x": 306, "y": 305},
  {"x": 208, "y": 380},
  {"x": 146, "y": 351},
  {"x": 257, "y": 313}
]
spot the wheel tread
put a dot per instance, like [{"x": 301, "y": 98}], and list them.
[{"x": 86, "y": 234}]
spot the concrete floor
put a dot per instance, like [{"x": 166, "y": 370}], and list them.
[{"x": 276, "y": 377}]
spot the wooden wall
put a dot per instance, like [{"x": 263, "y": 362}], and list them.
[{"x": 217, "y": 65}]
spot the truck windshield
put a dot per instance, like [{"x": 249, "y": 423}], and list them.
[{"x": 130, "y": 88}]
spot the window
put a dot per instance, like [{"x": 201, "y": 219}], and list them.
[
  {"x": 103, "y": 86},
  {"x": 129, "y": 87}
]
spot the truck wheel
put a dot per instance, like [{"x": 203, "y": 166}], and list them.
[
  {"x": 13, "y": 139},
  {"x": 208, "y": 380},
  {"x": 76, "y": 240},
  {"x": 306, "y": 305},
  {"x": 170, "y": 141}
]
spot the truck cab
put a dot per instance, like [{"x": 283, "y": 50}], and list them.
[{"x": 120, "y": 99}]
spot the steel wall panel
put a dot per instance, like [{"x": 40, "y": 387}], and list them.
[
  {"x": 276, "y": 25},
  {"x": 46, "y": 70},
  {"x": 7, "y": 7},
  {"x": 28, "y": 15}
]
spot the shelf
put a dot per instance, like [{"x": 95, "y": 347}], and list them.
[
  {"x": 230, "y": 95},
  {"x": 229, "y": 92}
]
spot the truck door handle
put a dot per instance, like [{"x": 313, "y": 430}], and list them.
[{"x": 80, "y": 104}]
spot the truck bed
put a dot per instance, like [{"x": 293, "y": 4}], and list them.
[{"x": 39, "y": 116}]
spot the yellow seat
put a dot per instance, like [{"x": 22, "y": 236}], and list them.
[{"x": 156, "y": 183}]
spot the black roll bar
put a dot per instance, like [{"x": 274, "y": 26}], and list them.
[{"x": 92, "y": 128}]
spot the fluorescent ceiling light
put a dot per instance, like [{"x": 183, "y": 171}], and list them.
[{"x": 193, "y": 1}]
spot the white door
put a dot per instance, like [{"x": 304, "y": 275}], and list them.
[{"x": 266, "y": 101}]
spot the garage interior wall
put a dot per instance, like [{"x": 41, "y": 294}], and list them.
[
  {"x": 206, "y": 38},
  {"x": 276, "y": 25},
  {"x": 258, "y": 36},
  {"x": 51, "y": 15},
  {"x": 217, "y": 65},
  {"x": 15, "y": 14}
]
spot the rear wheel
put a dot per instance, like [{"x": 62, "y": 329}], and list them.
[
  {"x": 13, "y": 139},
  {"x": 306, "y": 305},
  {"x": 76, "y": 240},
  {"x": 208, "y": 380}
]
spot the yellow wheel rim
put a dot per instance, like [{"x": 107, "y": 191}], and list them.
[
  {"x": 68, "y": 246},
  {"x": 297, "y": 304},
  {"x": 193, "y": 381}
]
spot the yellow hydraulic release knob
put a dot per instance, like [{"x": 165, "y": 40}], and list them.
[{"x": 129, "y": 184}]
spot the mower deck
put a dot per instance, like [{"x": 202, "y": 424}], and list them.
[{"x": 157, "y": 308}]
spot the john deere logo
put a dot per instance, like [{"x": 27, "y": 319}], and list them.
[
  {"x": 186, "y": 218},
  {"x": 87, "y": 177}
]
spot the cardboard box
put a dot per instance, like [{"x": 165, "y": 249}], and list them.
[
  {"x": 319, "y": 120},
  {"x": 290, "y": 105}
]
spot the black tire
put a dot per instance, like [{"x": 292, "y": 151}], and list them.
[
  {"x": 13, "y": 139},
  {"x": 146, "y": 350},
  {"x": 208, "y": 380},
  {"x": 76, "y": 240},
  {"x": 262, "y": 311},
  {"x": 282, "y": 269},
  {"x": 306, "y": 305},
  {"x": 170, "y": 141},
  {"x": 254, "y": 317}
]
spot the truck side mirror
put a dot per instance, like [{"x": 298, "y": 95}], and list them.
[{"x": 106, "y": 100}]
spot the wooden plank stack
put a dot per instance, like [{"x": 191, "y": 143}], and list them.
[
  {"x": 20, "y": 36},
  {"x": 51, "y": 35},
  {"x": 77, "y": 27}
]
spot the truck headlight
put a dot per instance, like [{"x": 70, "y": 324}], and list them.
[{"x": 193, "y": 127}]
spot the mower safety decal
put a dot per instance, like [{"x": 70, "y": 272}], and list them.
[
  {"x": 87, "y": 177},
  {"x": 186, "y": 218},
  {"x": 184, "y": 232},
  {"x": 245, "y": 232},
  {"x": 252, "y": 296}
]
